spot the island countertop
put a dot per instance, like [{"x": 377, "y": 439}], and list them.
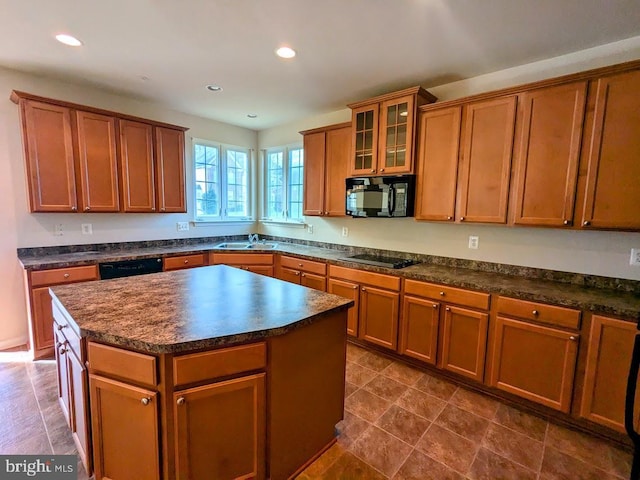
[{"x": 191, "y": 309}]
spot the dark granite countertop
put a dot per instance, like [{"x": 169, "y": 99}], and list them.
[
  {"x": 591, "y": 293},
  {"x": 191, "y": 309}
]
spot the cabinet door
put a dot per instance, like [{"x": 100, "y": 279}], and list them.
[
  {"x": 169, "y": 161},
  {"x": 419, "y": 328},
  {"x": 41, "y": 322},
  {"x": 379, "y": 316},
  {"x": 97, "y": 162},
  {"x": 136, "y": 166},
  {"x": 124, "y": 424},
  {"x": 547, "y": 158},
  {"x": 79, "y": 392},
  {"x": 310, "y": 280},
  {"x": 220, "y": 430},
  {"x": 48, "y": 148},
  {"x": 485, "y": 164},
  {"x": 352, "y": 292},
  {"x": 534, "y": 362},
  {"x": 64, "y": 394},
  {"x": 613, "y": 194},
  {"x": 463, "y": 342},
  {"x": 608, "y": 360},
  {"x": 364, "y": 140},
  {"x": 438, "y": 164},
  {"x": 338, "y": 148},
  {"x": 314, "y": 173},
  {"x": 396, "y": 135},
  {"x": 288, "y": 275}
]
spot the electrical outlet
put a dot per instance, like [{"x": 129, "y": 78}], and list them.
[
  {"x": 182, "y": 226},
  {"x": 345, "y": 232},
  {"x": 474, "y": 241},
  {"x": 310, "y": 229},
  {"x": 57, "y": 230},
  {"x": 87, "y": 229},
  {"x": 635, "y": 257}
]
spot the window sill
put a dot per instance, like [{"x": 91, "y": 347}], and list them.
[
  {"x": 211, "y": 223},
  {"x": 283, "y": 223}
]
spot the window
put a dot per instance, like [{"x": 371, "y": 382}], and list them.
[
  {"x": 221, "y": 182},
  {"x": 283, "y": 184}
]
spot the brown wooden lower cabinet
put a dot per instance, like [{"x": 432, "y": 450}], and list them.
[
  {"x": 126, "y": 439},
  {"x": 261, "y": 263},
  {"x": 184, "y": 261},
  {"x": 463, "y": 341},
  {"x": 307, "y": 273},
  {"x": 351, "y": 291},
  {"x": 608, "y": 359},
  {"x": 220, "y": 429},
  {"x": 534, "y": 362},
  {"x": 419, "y": 329}
]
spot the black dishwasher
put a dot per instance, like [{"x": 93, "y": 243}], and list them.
[{"x": 128, "y": 268}]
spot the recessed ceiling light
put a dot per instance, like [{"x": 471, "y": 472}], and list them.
[
  {"x": 286, "y": 52},
  {"x": 252, "y": 115},
  {"x": 214, "y": 88},
  {"x": 68, "y": 40}
]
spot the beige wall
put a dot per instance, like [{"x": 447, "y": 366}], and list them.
[
  {"x": 598, "y": 253},
  {"x": 24, "y": 229}
]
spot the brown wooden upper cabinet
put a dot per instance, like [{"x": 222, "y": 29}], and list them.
[
  {"x": 613, "y": 178},
  {"x": 85, "y": 159},
  {"x": 326, "y": 152},
  {"x": 464, "y": 161},
  {"x": 547, "y": 158},
  {"x": 383, "y": 132}
]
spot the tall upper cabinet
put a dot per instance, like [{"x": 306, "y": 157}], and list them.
[
  {"x": 83, "y": 159},
  {"x": 383, "y": 132}
]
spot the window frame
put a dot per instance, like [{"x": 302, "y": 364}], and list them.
[
  {"x": 285, "y": 218},
  {"x": 222, "y": 170}
]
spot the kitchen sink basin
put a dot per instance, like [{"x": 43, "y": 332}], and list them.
[{"x": 246, "y": 246}]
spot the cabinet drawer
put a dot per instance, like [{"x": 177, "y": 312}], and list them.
[
  {"x": 310, "y": 266},
  {"x": 241, "y": 258},
  {"x": 369, "y": 278},
  {"x": 540, "y": 312},
  {"x": 458, "y": 296},
  {"x": 64, "y": 275},
  {"x": 120, "y": 363},
  {"x": 185, "y": 261},
  {"x": 197, "y": 367}
]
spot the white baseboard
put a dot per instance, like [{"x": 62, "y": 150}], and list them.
[{"x": 14, "y": 342}]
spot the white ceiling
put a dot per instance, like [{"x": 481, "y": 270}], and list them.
[{"x": 348, "y": 50}]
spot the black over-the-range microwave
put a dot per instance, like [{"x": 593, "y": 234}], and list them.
[{"x": 381, "y": 197}]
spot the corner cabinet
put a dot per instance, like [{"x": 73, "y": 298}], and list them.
[
  {"x": 326, "y": 165},
  {"x": 383, "y": 132},
  {"x": 84, "y": 159}
]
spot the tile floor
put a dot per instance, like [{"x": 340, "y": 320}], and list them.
[
  {"x": 400, "y": 423},
  {"x": 403, "y": 424}
]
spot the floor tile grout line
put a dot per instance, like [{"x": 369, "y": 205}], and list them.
[{"x": 46, "y": 427}]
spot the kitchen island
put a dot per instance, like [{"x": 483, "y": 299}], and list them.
[{"x": 212, "y": 372}]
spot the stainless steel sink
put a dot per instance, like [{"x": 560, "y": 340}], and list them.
[{"x": 246, "y": 246}]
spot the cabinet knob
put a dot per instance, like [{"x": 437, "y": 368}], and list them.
[
  {"x": 303, "y": 275},
  {"x": 586, "y": 223},
  {"x": 382, "y": 169},
  {"x": 573, "y": 338},
  {"x": 355, "y": 287},
  {"x": 363, "y": 289},
  {"x": 162, "y": 209},
  {"x": 535, "y": 312},
  {"x": 373, "y": 170},
  {"x": 448, "y": 309},
  {"x": 297, "y": 273},
  {"x": 442, "y": 294},
  {"x": 60, "y": 327},
  {"x": 300, "y": 265},
  {"x": 449, "y": 217},
  {"x": 66, "y": 275},
  {"x": 62, "y": 350},
  {"x": 180, "y": 401},
  {"x": 186, "y": 261},
  {"x": 86, "y": 209},
  {"x": 74, "y": 208},
  {"x": 326, "y": 213},
  {"x": 153, "y": 209},
  {"x": 462, "y": 219},
  {"x": 145, "y": 400},
  {"x": 566, "y": 222},
  {"x": 435, "y": 305}
]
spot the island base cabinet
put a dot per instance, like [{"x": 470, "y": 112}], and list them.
[
  {"x": 463, "y": 342},
  {"x": 125, "y": 431},
  {"x": 608, "y": 360},
  {"x": 79, "y": 415},
  {"x": 419, "y": 329},
  {"x": 220, "y": 430},
  {"x": 534, "y": 362}
]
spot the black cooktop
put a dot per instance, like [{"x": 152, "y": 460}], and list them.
[{"x": 379, "y": 260}]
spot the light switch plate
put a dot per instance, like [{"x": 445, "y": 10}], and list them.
[
  {"x": 87, "y": 229},
  {"x": 57, "y": 230},
  {"x": 182, "y": 226},
  {"x": 635, "y": 257},
  {"x": 345, "y": 232},
  {"x": 310, "y": 229},
  {"x": 474, "y": 241}
]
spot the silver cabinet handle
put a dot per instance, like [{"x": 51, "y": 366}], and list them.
[
  {"x": 180, "y": 401},
  {"x": 60, "y": 327},
  {"x": 573, "y": 338},
  {"x": 449, "y": 217},
  {"x": 364, "y": 289},
  {"x": 355, "y": 287},
  {"x": 448, "y": 309},
  {"x": 145, "y": 400},
  {"x": 74, "y": 208},
  {"x": 462, "y": 219},
  {"x": 535, "y": 312},
  {"x": 300, "y": 265},
  {"x": 66, "y": 275},
  {"x": 382, "y": 169},
  {"x": 442, "y": 294},
  {"x": 186, "y": 262},
  {"x": 373, "y": 170},
  {"x": 566, "y": 222},
  {"x": 586, "y": 223},
  {"x": 86, "y": 209},
  {"x": 297, "y": 273},
  {"x": 435, "y": 305}
]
